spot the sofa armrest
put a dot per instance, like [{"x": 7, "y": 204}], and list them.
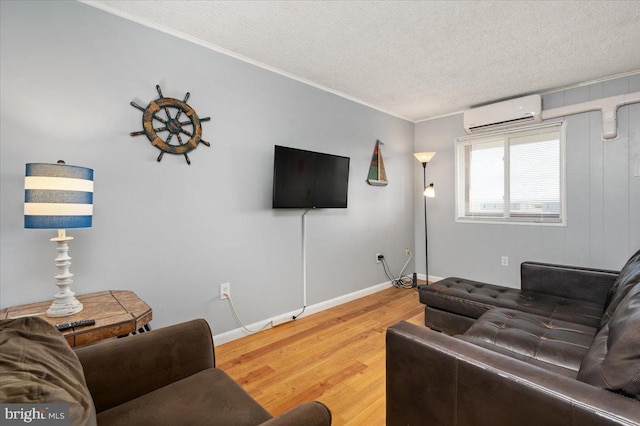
[
  {"x": 572, "y": 282},
  {"x": 309, "y": 414},
  {"x": 435, "y": 378},
  {"x": 123, "y": 369}
]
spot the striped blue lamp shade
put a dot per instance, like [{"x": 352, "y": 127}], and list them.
[{"x": 58, "y": 196}]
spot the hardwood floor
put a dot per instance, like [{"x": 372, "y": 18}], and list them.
[{"x": 336, "y": 356}]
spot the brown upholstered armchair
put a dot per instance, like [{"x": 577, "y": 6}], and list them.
[{"x": 163, "y": 377}]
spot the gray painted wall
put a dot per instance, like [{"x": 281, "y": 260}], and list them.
[
  {"x": 603, "y": 198},
  {"x": 171, "y": 232}
]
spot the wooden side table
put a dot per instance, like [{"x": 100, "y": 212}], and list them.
[{"x": 116, "y": 312}]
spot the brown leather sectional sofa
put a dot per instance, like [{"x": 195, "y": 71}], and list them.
[{"x": 562, "y": 350}]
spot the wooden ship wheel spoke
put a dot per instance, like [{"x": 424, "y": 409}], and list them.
[{"x": 162, "y": 137}]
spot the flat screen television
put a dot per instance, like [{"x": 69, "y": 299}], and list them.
[{"x": 309, "y": 180}]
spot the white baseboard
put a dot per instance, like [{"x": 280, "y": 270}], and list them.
[
  {"x": 432, "y": 278},
  {"x": 237, "y": 333}
]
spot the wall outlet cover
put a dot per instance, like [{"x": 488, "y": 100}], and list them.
[{"x": 225, "y": 291}]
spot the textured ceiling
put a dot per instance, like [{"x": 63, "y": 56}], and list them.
[{"x": 413, "y": 59}]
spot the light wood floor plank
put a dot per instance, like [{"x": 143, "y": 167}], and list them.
[{"x": 336, "y": 356}]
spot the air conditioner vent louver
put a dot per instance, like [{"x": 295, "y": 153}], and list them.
[
  {"x": 527, "y": 119},
  {"x": 504, "y": 114}
]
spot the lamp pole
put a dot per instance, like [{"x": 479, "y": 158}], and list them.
[{"x": 426, "y": 239}]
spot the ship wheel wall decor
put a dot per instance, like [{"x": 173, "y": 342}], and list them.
[{"x": 166, "y": 114}]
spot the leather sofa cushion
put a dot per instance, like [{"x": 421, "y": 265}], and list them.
[
  {"x": 525, "y": 336},
  {"x": 472, "y": 299},
  {"x": 531, "y": 361},
  {"x": 185, "y": 403},
  {"x": 446, "y": 322},
  {"x": 629, "y": 276},
  {"x": 467, "y": 297},
  {"x": 613, "y": 361},
  {"x": 38, "y": 366}
]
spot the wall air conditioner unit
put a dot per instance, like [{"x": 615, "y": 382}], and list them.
[{"x": 501, "y": 115}]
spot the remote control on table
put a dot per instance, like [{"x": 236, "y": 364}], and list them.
[{"x": 82, "y": 323}]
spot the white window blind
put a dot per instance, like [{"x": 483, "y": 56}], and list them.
[{"x": 515, "y": 176}]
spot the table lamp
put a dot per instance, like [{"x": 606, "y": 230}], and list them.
[{"x": 59, "y": 196}]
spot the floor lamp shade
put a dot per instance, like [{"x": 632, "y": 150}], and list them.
[
  {"x": 58, "y": 196},
  {"x": 424, "y": 157},
  {"x": 429, "y": 191}
]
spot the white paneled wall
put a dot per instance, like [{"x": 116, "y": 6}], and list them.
[{"x": 603, "y": 198}]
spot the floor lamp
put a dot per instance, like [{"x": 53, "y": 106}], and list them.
[{"x": 429, "y": 191}]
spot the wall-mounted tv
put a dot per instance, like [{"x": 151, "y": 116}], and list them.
[{"x": 309, "y": 180}]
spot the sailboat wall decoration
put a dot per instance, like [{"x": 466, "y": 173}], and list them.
[{"x": 377, "y": 175}]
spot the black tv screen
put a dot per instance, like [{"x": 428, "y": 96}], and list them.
[{"x": 309, "y": 180}]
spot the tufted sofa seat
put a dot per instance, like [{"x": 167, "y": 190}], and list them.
[
  {"x": 543, "y": 341},
  {"x": 453, "y": 304}
]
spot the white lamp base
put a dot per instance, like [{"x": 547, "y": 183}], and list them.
[
  {"x": 64, "y": 302},
  {"x": 64, "y": 306}
]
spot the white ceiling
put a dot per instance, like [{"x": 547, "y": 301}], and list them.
[{"x": 412, "y": 59}]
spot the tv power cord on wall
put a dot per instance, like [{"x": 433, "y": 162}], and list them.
[
  {"x": 403, "y": 281},
  {"x": 244, "y": 327}
]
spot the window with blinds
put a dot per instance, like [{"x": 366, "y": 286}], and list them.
[{"x": 512, "y": 177}]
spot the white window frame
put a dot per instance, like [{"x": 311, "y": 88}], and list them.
[{"x": 461, "y": 213}]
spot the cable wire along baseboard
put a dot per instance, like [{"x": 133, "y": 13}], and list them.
[{"x": 282, "y": 319}]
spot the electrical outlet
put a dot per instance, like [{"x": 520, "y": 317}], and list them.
[
  {"x": 407, "y": 252},
  {"x": 379, "y": 256},
  {"x": 225, "y": 291},
  {"x": 505, "y": 260}
]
